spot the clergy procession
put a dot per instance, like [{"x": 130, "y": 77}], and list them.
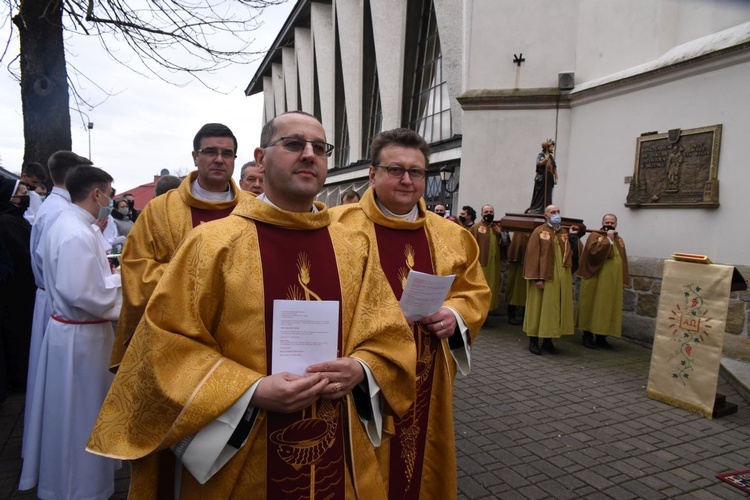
[{"x": 218, "y": 357}]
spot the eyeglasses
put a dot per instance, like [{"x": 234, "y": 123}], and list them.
[
  {"x": 227, "y": 154},
  {"x": 398, "y": 172},
  {"x": 297, "y": 145}
]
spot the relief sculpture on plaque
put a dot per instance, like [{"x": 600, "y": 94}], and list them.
[{"x": 676, "y": 169}]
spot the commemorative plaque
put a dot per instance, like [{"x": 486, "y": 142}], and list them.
[{"x": 677, "y": 169}]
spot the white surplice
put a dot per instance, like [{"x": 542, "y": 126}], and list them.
[
  {"x": 57, "y": 201},
  {"x": 73, "y": 370}
]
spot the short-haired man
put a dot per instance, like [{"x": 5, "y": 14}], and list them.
[
  {"x": 549, "y": 290},
  {"x": 420, "y": 459},
  {"x": 604, "y": 272},
  {"x": 165, "y": 183},
  {"x": 59, "y": 164},
  {"x": 207, "y": 194},
  {"x": 33, "y": 174},
  {"x": 209, "y": 371},
  {"x": 349, "y": 196},
  {"x": 73, "y": 371},
  {"x": 467, "y": 216},
  {"x": 439, "y": 210},
  {"x": 488, "y": 234},
  {"x": 251, "y": 179}
]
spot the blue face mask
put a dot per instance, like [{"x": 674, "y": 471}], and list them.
[
  {"x": 555, "y": 219},
  {"x": 104, "y": 211}
]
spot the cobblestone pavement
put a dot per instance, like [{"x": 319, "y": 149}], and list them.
[
  {"x": 574, "y": 425},
  {"x": 579, "y": 425}
]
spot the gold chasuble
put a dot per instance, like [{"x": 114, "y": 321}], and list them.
[
  {"x": 152, "y": 241},
  {"x": 419, "y": 461},
  {"x": 206, "y": 338}
]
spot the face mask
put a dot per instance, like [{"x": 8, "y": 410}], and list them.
[
  {"x": 555, "y": 219},
  {"x": 131, "y": 203},
  {"x": 462, "y": 219},
  {"x": 24, "y": 202},
  {"x": 608, "y": 228},
  {"x": 441, "y": 214},
  {"x": 42, "y": 197},
  {"x": 104, "y": 211},
  {"x": 488, "y": 218},
  {"x": 124, "y": 211}
]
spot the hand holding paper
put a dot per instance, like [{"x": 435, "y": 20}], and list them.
[{"x": 424, "y": 294}]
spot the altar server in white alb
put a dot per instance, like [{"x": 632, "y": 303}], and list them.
[
  {"x": 73, "y": 373},
  {"x": 58, "y": 200}
]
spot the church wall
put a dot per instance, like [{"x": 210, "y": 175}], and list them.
[{"x": 602, "y": 154}]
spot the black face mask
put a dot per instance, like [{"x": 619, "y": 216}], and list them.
[
  {"x": 488, "y": 218},
  {"x": 608, "y": 228},
  {"x": 441, "y": 214},
  {"x": 131, "y": 204},
  {"x": 462, "y": 219}
]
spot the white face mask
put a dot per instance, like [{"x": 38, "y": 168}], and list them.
[{"x": 123, "y": 210}]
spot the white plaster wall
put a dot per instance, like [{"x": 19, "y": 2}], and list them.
[
  {"x": 389, "y": 33},
  {"x": 499, "y": 151},
  {"x": 350, "y": 20},
  {"x": 602, "y": 153},
  {"x": 615, "y": 35},
  {"x": 304, "y": 52},
  {"x": 321, "y": 20},
  {"x": 543, "y": 30},
  {"x": 277, "y": 80},
  {"x": 290, "y": 77},
  {"x": 268, "y": 108}
]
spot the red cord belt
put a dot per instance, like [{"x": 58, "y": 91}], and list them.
[{"x": 71, "y": 322}]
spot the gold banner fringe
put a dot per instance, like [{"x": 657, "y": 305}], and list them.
[{"x": 679, "y": 403}]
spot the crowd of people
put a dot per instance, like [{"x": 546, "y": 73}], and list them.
[
  {"x": 175, "y": 360},
  {"x": 542, "y": 267},
  {"x": 171, "y": 360}
]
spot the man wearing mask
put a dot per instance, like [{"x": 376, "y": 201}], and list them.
[
  {"x": 206, "y": 194},
  {"x": 33, "y": 175},
  {"x": 604, "y": 273},
  {"x": 489, "y": 238},
  {"x": 549, "y": 288},
  {"x": 440, "y": 210},
  {"x": 73, "y": 375},
  {"x": 17, "y": 291},
  {"x": 467, "y": 216}
]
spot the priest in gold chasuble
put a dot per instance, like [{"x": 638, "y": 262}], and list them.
[
  {"x": 197, "y": 386},
  {"x": 207, "y": 194},
  {"x": 419, "y": 461}
]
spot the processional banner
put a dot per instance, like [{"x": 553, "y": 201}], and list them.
[{"x": 690, "y": 324}]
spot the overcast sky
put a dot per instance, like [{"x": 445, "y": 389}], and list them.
[{"x": 147, "y": 125}]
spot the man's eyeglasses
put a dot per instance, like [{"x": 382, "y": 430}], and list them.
[
  {"x": 297, "y": 145},
  {"x": 227, "y": 154},
  {"x": 398, "y": 172}
]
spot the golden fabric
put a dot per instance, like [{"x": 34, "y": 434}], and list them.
[
  {"x": 152, "y": 241},
  {"x": 600, "y": 300},
  {"x": 689, "y": 335},
  {"x": 549, "y": 312},
  {"x": 201, "y": 345},
  {"x": 454, "y": 251}
]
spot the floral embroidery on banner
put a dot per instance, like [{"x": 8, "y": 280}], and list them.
[
  {"x": 544, "y": 235},
  {"x": 690, "y": 329}
]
